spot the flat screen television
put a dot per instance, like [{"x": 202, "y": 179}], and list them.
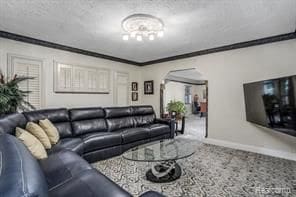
[{"x": 271, "y": 103}]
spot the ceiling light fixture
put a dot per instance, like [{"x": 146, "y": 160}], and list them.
[{"x": 140, "y": 26}]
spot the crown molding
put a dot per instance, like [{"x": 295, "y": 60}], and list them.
[
  {"x": 35, "y": 41},
  {"x": 239, "y": 45},
  {"x": 251, "y": 43}
]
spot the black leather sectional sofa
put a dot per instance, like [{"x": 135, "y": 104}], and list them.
[{"x": 90, "y": 133}]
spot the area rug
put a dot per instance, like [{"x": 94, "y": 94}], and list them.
[{"x": 212, "y": 171}]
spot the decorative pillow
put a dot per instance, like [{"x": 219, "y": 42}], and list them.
[
  {"x": 39, "y": 133},
  {"x": 32, "y": 143},
  {"x": 50, "y": 130}
]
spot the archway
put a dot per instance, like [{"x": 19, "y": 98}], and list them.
[{"x": 189, "y": 87}]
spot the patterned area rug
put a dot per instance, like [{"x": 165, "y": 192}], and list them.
[{"x": 212, "y": 171}]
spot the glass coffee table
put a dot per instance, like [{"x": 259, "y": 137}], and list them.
[{"x": 164, "y": 154}]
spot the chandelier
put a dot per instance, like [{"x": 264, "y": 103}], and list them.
[{"x": 142, "y": 26}]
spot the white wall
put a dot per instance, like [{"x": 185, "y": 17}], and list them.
[
  {"x": 226, "y": 72},
  {"x": 48, "y": 56}
]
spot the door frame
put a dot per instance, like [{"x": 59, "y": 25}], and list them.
[
  {"x": 115, "y": 96},
  {"x": 161, "y": 100}
]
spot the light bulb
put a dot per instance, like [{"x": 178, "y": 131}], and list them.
[
  {"x": 151, "y": 37},
  {"x": 160, "y": 34},
  {"x": 125, "y": 37},
  {"x": 139, "y": 38},
  {"x": 133, "y": 34}
]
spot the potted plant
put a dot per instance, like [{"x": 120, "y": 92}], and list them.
[
  {"x": 12, "y": 98},
  {"x": 176, "y": 107}
]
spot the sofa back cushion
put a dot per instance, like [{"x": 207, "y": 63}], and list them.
[
  {"x": 21, "y": 174},
  {"x": 143, "y": 115},
  {"x": 8, "y": 123},
  {"x": 87, "y": 120},
  {"x": 118, "y": 118},
  {"x": 59, "y": 118}
]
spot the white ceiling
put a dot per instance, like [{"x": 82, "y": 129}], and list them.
[{"x": 190, "y": 25}]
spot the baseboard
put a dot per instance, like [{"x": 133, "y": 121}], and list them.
[{"x": 254, "y": 149}]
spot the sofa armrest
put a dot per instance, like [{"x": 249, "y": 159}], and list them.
[{"x": 170, "y": 122}]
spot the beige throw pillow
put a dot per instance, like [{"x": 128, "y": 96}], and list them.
[
  {"x": 50, "y": 130},
  {"x": 32, "y": 143},
  {"x": 39, "y": 133}
]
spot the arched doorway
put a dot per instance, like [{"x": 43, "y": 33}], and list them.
[{"x": 186, "y": 87}]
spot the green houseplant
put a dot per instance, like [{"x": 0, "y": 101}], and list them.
[
  {"x": 178, "y": 107},
  {"x": 12, "y": 98}
]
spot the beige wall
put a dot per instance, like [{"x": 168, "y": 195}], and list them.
[
  {"x": 48, "y": 55},
  {"x": 226, "y": 72}
]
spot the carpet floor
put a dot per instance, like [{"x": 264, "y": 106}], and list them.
[{"x": 212, "y": 171}]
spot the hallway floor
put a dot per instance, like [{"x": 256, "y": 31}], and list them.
[{"x": 195, "y": 127}]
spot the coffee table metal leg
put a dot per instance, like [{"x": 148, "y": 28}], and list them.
[{"x": 164, "y": 172}]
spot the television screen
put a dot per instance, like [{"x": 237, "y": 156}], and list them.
[{"x": 271, "y": 103}]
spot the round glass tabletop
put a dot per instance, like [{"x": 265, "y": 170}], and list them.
[{"x": 163, "y": 150}]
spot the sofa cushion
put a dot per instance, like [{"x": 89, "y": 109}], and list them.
[
  {"x": 143, "y": 115},
  {"x": 89, "y": 183},
  {"x": 118, "y": 118},
  {"x": 142, "y": 110},
  {"x": 87, "y": 120},
  {"x": 8, "y": 123},
  {"x": 62, "y": 166},
  {"x": 54, "y": 115},
  {"x": 59, "y": 118},
  {"x": 119, "y": 123},
  {"x": 89, "y": 126},
  {"x": 20, "y": 173},
  {"x": 95, "y": 141},
  {"x": 158, "y": 129},
  {"x": 134, "y": 134},
  {"x": 72, "y": 144},
  {"x": 86, "y": 113},
  {"x": 64, "y": 129},
  {"x": 144, "y": 120},
  {"x": 115, "y": 112}
]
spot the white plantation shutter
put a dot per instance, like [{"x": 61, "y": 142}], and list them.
[
  {"x": 64, "y": 77},
  {"x": 92, "y": 81},
  {"x": 29, "y": 68},
  {"x": 81, "y": 79},
  {"x": 103, "y": 80}
]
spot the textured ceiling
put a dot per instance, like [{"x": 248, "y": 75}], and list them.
[{"x": 190, "y": 25}]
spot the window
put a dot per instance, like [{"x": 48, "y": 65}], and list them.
[
  {"x": 82, "y": 79},
  {"x": 188, "y": 95},
  {"x": 29, "y": 68}
]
